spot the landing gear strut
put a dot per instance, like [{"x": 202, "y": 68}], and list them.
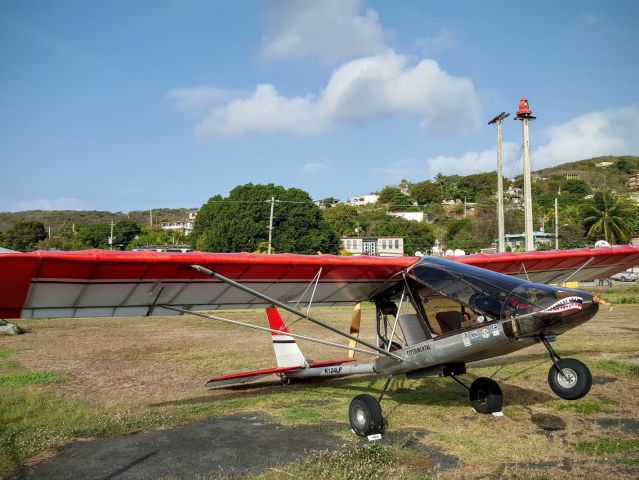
[{"x": 568, "y": 378}]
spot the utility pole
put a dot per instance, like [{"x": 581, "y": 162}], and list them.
[
  {"x": 270, "y": 225},
  {"x": 524, "y": 114},
  {"x": 151, "y": 218},
  {"x": 556, "y": 225},
  {"x": 501, "y": 234},
  {"x": 111, "y": 237}
]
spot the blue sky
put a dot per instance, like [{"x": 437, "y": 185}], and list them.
[{"x": 126, "y": 105}]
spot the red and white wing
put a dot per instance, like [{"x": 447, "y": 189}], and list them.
[
  {"x": 103, "y": 283},
  {"x": 556, "y": 266}
]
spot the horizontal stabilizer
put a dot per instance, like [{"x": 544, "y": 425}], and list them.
[{"x": 245, "y": 377}]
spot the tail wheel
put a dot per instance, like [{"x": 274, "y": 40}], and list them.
[
  {"x": 486, "y": 396},
  {"x": 573, "y": 382},
  {"x": 365, "y": 415}
]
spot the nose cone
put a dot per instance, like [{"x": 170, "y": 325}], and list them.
[
  {"x": 568, "y": 309},
  {"x": 568, "y": 313}
]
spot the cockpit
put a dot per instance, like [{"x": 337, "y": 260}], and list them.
[{"x": 441, "y": 297}]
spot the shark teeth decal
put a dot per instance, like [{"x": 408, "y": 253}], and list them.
[{"x": 564, "y": 305}]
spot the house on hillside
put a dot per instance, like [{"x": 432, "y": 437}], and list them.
[
  {"x": 362, "y": 200},
  {"x": 376, "y": 246},
  {"x": 185, "y": 226},
  {"x": 603, "y": 164},
  {"x": 412, "y": 216},
  {"x": 327, "y": 202},
  {"x": 633, "y": 181},
  {"x": 517, "y": 241},
  {"x": 458, "y": 209}
]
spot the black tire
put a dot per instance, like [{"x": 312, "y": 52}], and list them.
[
  {"x": 365, "y": 415},
  {"x": 575, "y": 381},
  {"x": 486, "y": 396}
]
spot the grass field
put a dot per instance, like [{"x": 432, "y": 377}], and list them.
[{"x": 69, "y": 379}]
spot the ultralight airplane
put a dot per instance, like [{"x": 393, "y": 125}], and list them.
[{"x": 433, "y": 315}]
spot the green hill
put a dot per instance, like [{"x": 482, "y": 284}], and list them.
[
  {"x": 55, "y": 218},
  {"x": 613, "y": 176}
]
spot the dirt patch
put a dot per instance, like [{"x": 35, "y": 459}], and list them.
[{"x": 232, "y": 445}]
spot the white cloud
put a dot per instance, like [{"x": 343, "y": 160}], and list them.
[
  {"x": 198, "y": 99},
  {"x": 473, "y": 162},
  {"x": 444, "y": 40},
  {"x": 469, "y": 162},
  {"x": 609, "y": 132},
  {"x": 362, "y": 88},
  {"x": 328, "y": 29},
  {"x": 316, "y": 168}
]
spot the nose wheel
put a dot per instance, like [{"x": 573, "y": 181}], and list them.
[{"x": 568, "y": 378}]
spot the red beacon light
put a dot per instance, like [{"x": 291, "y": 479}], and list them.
[
  {"x": 524, "y": 111},
  {"x": 524, "y": 107}
]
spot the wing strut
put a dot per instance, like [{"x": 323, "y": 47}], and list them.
[
  {"x": 265, "y": 329},
  {"x": 294, "y": 311},
  {"x": 576, "y": 271}
]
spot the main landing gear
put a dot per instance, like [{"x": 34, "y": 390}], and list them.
[
  {"x": 365, "y": 413},
  {"x": 568, "y": 378},
  {"x": 484, "y": 393}
]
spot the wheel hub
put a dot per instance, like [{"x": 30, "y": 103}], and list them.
[
  {"x": 360, "y": 417},
  {"x": 567, "y": 378}
]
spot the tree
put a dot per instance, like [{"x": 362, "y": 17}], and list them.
[
  {"x": 343, "y": 219},
  {"x": 240, "y": 222},
  {"x": 124, "y": 232},
  {"x": 416, "y": 235},
  {"x": 477, "y": 186},
  {"x": 94, "y": 236},
  {"x": 153, "y": 236},
  {"x": 24, "y": 236},
  {"x": 461, "y": 235},
  {"x": 465, "y": 240},
  {"x": 608, "y": 215},
  {"x": 394, "y": 198},
  {"x": 576, "y": 187},
  {"x": 623, "y": 166},
  {"x": 426, "y": 192}
]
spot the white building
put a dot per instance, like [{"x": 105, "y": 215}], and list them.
[
  {"x": 412, "y": 216},
  {"x": 604, "y": 164},
  {"x": 362, "y": 200},
  {"x": 324, "y": 204},
  {"x": 186, "y": 226},
  {"x": 379, "y": 246}
]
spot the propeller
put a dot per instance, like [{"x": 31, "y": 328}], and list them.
[{"x": 356, "y": 319}]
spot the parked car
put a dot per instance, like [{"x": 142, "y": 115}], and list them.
[{"x": 627, "y": 276}]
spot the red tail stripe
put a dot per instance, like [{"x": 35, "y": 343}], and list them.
[{"x": 275, "y": 321}]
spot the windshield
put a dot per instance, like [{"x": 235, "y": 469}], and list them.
[{"x": 482, "y": 290}]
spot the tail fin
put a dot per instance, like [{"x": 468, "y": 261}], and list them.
[{"x": 287, "y": 353}]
